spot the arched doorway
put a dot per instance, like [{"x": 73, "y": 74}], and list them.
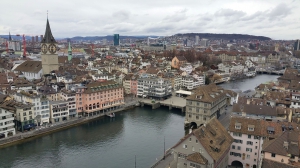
[
  {"x": 193, "y": 125},
  {"x": 254, "y": 166},
  {"x": 237, "y": 164}
]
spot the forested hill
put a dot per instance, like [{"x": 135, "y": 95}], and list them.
[{"x": 212, "y": 36}]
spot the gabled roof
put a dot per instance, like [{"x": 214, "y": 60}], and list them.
[
  {"x": 289, "y": 137},
  {"x": 197, "y": 158},
  {"x": 266, "y": 163},
  {"x": 30, "y": 66}
]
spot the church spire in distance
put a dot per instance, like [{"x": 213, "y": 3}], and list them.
[
  {"x": 69, "y": 52},
  {"x": 48, "y": 37},
  {"x": 9, "y": 37}
]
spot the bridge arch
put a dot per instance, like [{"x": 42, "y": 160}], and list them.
[
  {"x": 237, "y": 164},
  {"x": 193, "y": 125}
]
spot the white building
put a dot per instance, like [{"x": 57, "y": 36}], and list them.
[
  {"x": 31, "y": 69},
  {"x": 41, "y": 112},
  {"x": 156, "y": 88},
  {"x": 188, "y": 68},
  {"x": 70, "y": 96},
  {"x": 6, "y": 123},
  {"x": 59, "y": 111},
  {"x": 189, "y": 82},
  {"x": 295, "y": 102}
]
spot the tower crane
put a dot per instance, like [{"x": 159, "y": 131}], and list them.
[{"x": 24, "y": 42}]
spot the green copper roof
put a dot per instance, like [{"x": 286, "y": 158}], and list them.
[{"x": 48, "y": 37}]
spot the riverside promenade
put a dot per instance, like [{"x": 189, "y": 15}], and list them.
[{"x": 40, "y": 131}]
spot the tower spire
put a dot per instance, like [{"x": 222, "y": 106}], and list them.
[
  {"x": 48, "y": 37},
  {"x": 69, "y": 52},
  {"x": 9, "y": 37}
]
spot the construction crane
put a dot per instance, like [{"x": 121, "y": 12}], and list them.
[{"x": 24, "y": 42}]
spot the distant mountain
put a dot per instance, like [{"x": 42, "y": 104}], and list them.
[
  {"x": 212, "y": 36},
  {"x": 109, "y": 37}
]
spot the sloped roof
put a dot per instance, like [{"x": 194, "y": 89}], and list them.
[
  {"x": 48, "y": 37},
  {"x": 197, "y": 158},
  {"x": 30, "y": 66},
  {"x": 266, "y": 163}
]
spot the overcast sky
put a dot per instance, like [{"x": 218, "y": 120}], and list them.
[{"x": 277, "y": 19}]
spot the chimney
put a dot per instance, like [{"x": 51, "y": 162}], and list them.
[
  {"x": 248, "y": 101},
  {"x": 286, "y": 145}
]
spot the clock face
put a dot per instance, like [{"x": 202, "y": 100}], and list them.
[
  {"x": 52, "y": 48},
  {"x": 44, "y": 48}
]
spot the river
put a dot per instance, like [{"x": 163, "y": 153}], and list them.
[{"x": 110, "y": 143}]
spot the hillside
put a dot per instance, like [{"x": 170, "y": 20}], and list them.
[{"x": 212, "y": 36}]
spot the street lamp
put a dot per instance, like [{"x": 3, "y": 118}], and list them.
[{"x": 164, "y": 148}]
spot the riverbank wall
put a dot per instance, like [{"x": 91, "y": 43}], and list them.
[{"x": 27, "y": 136}]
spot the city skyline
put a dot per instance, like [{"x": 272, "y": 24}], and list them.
[{"x": 272, "y": 18}]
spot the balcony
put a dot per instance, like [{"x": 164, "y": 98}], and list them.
[{"x": 160, "y": 89}]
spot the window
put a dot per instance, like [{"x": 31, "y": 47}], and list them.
[
  {"x": 248, "y": 156},
  {"x": 249, "y": 136},
  {"x": 197, "y": 117},
  {"x": 255, "y": 147},
  {"x": 190, "y": 139},
  {"x": 256, "y": 137},
  {"x": 273, "y": 155},
  {"x": 185, "y": 146},
  {"x": 193, "y": 149},
  {"x": 255, "y": 153},
  {"x": 249, "y": 143},
  {"x": 237, "y": 134},
  {"x": 238, "y": 141},
  {"x": 233, "y": 147},
  {"x": 250, "y": 129},
  {"x": 196, "y": 141},
  {"x": 248, "y": 149},
  {"x": 238, "y": 148}
]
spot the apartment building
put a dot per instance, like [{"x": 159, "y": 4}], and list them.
[
  {"x": 59, "y": 111},
  {"x": 189, "y": 82},
  {"x": 208, "y": 101},
  {"x": 283, "y": 150},
  {"x": 156, "y": 88},
  {"x": 98, "y": 97},
  {"x": 70, "y": 97},
  {"x": 23, "y": 113},
  {"x": 207, "y": 146},
  {"x": 251, "y": 136},
  {"x": 130, "y": 84},
  {"x": 40, "y": 102},
  {"x": 7, "y": 125}
]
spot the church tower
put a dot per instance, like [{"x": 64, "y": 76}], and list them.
[
  {"x": 69, "y": 52},
  {"x": 49, "y": 54}
]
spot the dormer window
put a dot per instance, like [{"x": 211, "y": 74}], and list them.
[
  {"x": 250, "y": 127},
  {"x": 238, "y": 125},
  {"x": 270, "y": 130}
]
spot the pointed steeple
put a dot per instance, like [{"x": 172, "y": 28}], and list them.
[
  {"x": 9, "y": 37},
  {"x": 69, "y": 52},
  {"x": 48, "y": 37}
]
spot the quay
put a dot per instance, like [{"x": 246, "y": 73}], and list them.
[
  {"x": 173, "y": 102},
  {"x": 26, "y": 136}
]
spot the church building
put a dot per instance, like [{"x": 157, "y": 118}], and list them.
[{"x": 49, "y": 51}]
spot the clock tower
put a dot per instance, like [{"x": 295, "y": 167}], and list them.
[{"x": 49, "y": 54}]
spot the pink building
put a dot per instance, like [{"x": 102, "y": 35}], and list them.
[
  {"x": 98, "y": 97},
  {"x": 133, "y": 86}
]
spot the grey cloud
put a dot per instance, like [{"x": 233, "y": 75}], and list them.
[
  {"x": 121, "y": 14},
  {"x": 229, "y": 13},
  {"x": 280, "y": 11}
]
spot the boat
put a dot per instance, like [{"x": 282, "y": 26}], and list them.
[{"x": 111, "y": 115}]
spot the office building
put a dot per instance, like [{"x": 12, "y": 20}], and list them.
[{"x": 116, "y": 39}]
